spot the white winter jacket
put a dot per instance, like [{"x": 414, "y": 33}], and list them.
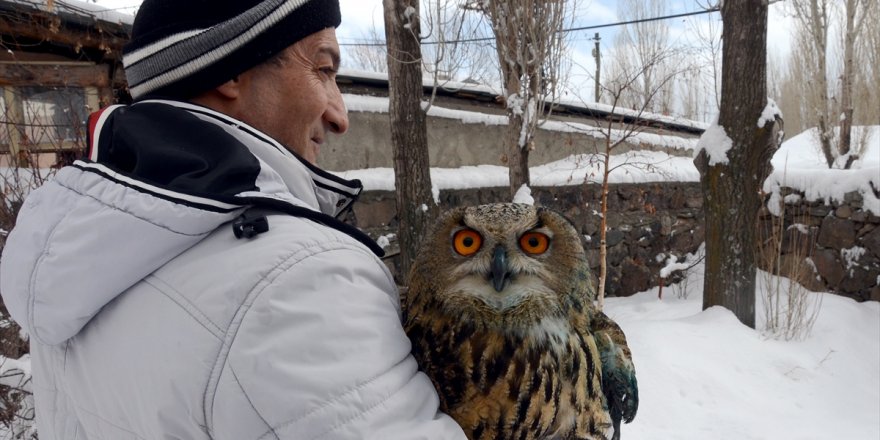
[{"x": 149, "y": 319}]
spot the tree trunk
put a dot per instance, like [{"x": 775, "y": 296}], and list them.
[
  {"x": 846, "y": 104},
  {"x": 732, "y": 190},
  {"x": 517, "y": 156},
  {"x": 409, "y": 138}
]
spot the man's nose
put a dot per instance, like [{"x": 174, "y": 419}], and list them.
[{"x": 336, "y": 116}]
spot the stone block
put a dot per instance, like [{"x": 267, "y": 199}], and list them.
[
  {"x": 374, "y": 213},
  {"x": 837, "y": 233},
  {"x": 820, "y": 211},
  {"x": 829, "y": 266},
  {"x": 844, "y": 212},
  {"x": 871, "y": 241},
  {"x": 613, "y": 238},
  {"x": 635, "y": 277},
  {"x": 859, "y": 216}
]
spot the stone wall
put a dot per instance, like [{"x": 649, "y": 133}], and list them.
[
  {"x": 838, "y": 245},
  {"x": 644, "y": 221},
  {"x": 647, "y": 220}
]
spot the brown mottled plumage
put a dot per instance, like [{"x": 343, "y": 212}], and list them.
[{"x": 499, "y": 310}]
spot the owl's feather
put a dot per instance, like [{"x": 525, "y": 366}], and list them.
[
  {"x": 507, "y": 336},
  {"x": 618, "y": 373}
]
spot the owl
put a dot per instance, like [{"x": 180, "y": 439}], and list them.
[{"x": 499, "y": 309}]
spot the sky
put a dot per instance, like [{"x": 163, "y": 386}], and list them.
[{"x": 359, "y": 15}]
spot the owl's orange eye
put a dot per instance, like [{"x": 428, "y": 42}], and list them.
[
  {"x": 467, "y": 242},
  {"x": 534, "y": 243}
]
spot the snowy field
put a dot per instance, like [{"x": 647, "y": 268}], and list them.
[{"x": 704, "y": 376}]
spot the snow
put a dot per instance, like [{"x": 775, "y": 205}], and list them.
[
  {"x": 704, "y": 375},
  {"x": 385, "y": 240},
  {"x": 716, "y": 143},
  {"x": 631, "y": 167},
  {"x": 448, "y": 85},
  {"x": 524, "y": 195},
  {"x": 799, "y": 164},
  {"x": 769, "y": 114}
]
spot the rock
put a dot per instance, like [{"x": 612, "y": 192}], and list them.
[
  {"x": 799, "y": 270},
  {"x": 843, "y": 212},
  {"x": 617, "y": 254},
  {"x": 829, "y": 266},
  {"x": 837, "y": 233},
  {"x": 871, "y": 241},
  {"x": 377, "y": 212},
  {"x": 820, "y": 211},
  {"x": 635, "y": 278},
  {"x": 875, "y": 294},
  {"x": 794, "y": 241},
  {"x": 853, "y": 198},
  {"x": 859, "y": 216},
  {"x": 694, "y": 202},
  {"x": 613, "y": 238}
]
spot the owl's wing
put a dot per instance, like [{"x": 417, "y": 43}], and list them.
[{"x": 618, "y": 373}]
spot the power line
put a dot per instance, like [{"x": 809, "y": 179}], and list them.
[{"x": 583, "y": 28}]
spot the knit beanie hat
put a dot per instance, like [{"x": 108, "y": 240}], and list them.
[{"x": 180, "y": 48}]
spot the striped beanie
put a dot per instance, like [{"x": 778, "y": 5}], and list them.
[{"x": 181, "y": 48}]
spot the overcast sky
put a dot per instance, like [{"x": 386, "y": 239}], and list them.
[{"x": 359, "y": 15}]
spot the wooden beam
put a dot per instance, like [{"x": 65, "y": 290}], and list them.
[
  {"x": 50, "y": 75},
  {"x": 50, "y": 29}
]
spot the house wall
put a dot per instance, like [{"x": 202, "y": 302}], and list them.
[{"x": 453, "y": 143}]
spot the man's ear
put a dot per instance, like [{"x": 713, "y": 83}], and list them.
[{"x": 230, "y": 89}]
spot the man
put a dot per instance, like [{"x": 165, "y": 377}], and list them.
[{"x": 189, "y": 279}]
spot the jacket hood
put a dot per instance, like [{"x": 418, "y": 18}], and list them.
[{"x": 160, "y": 176}]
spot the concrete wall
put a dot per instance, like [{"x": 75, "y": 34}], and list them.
[{"x": 453, "y": 143}]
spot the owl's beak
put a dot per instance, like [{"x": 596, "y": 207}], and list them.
[{"x": 500, "y": 270}]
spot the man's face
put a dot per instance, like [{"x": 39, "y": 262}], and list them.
[{"x": 296, "y": 100}]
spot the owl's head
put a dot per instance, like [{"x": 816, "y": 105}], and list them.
[{"x": 508, "y": 264}]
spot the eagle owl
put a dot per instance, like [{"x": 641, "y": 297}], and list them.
[{"x": 499, "y": 310}]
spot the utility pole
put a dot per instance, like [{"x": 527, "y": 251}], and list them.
[{"x": 598, "y": 56}]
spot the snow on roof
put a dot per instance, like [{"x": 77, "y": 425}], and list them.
[
  {"x": 455, "y": 86},
  {"x": 80, "y": 9}
]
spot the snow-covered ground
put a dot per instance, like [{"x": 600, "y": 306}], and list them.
[{"x": 703, "y": 375}]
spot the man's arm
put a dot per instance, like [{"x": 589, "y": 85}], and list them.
[{"x": 321, "y": 353}]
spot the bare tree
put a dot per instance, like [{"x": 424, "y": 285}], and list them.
[
  {"x": 814, "y": 20},
  {"x": 813, "y": 23},
  {"x": 409, "y": 133},
  {"x": 370, "y": 55},
  {"x": 735, "y": 160},
  {"x": 530, "y": 47},
  {"x": 614, "y": 134},
  {"x": 855, "y": 12},
  {"x": 639, "y": 46}
]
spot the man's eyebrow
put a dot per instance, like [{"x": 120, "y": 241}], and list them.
[{"x": 333, "y": 53}]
